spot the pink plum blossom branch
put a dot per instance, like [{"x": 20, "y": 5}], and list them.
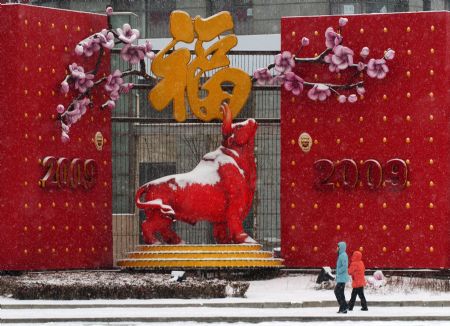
[
  {"x": 336, "y": 56},
  {"x": 84, "y": 82}
]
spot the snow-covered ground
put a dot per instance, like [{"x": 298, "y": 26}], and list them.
[{"x": 290, "y": 289}]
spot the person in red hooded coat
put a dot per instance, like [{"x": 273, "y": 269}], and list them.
[{"x": 357, "y": 271}]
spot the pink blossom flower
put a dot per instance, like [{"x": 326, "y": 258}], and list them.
[
  {"x": 364, "y": 52},
  {"x": 360, "y": 90},
  {"x": 133, "y": 53},
  {"x": 125, "y": 88},
  {"x": 263, "y": 76},
  {"x": 83, "y": 84},
  {"x": 340, "y": 59},
  {"x": 106, "y": 39},
  {"x": 305, "y": 41},
  {"x": 64, "y": 137},
  {"x": 60, "y": 108},
  {"x": 88, "y": 47},
  {"x": 109, "y": 11},
  {"x": 332, "y": 38},
  {"x": 148, "y": 50},
  {"x": 343, "y": 21},
  {"x": 342, "y": 99},
  {"x": 389, "y": 54},
  {"x": 319, "y": 92},
  {"x": 76, "y": 71},
  {"x": 127, "y": 34},
  {"x": 352, "y": 98},
  {"x": 377, "y": 68},
  {"x": 293, "y": 83},
  {"x": 114, "y": 81},
  {"x": 79, "y": 108},
  {"x": 64, "y": 86},
  {"x": 284, "y": 62},
  {"x": 110, "y": 104}
]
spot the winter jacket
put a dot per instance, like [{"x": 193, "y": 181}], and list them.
[
  {"x": 342, "y": 264},
  {"x": 357, "y": 270}
]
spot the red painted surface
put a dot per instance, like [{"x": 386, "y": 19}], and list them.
[
  {"x": 49, "y": 228},
  {"x": 393, "y": 236}
]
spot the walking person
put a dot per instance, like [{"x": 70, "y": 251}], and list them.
[
  {"x": 341, "y": 277},
  {"x": 357, "y": 271}
]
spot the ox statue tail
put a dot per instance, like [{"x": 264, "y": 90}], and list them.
[{"x": 152, "y": 204}]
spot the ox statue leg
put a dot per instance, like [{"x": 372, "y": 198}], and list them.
[
  {"x": 169, "y": 236},
  {"x": 220, "y": 233},
  {"x": 149, "y": 227}
]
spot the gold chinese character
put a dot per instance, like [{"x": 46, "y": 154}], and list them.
[{"x": 182, "y": 74}]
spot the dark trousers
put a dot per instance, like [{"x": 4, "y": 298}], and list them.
[
  {"x": 340, "y": 296},
  {"x": 360, "y": 293}
]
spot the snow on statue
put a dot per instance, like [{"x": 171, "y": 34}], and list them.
[{"x": 219, "y": 190}]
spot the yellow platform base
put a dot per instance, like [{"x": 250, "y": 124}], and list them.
[{"x": 232, "y": 256}]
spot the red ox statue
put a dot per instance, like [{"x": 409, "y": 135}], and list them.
[{"x": 219, "y": 190}]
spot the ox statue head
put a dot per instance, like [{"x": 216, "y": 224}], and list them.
[{"x": 236, "y": 134}]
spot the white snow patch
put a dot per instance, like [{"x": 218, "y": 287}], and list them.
[
  {"x": 205, "y": 173},
  {"x": 164, "y": 208}
]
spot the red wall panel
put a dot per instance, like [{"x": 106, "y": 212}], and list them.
[
  {"x": 49, "y": 228},
  {"x": 404, "y": 116}
]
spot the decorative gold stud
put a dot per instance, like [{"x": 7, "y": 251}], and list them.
[
  {"x": 361, "y": 249},
  {"x": 315, "y": 249},
  {"x": 293, "y": 33},
  {"x": 92, "y": 249},
  {"x": 105, "y": 204},
  {"x": 66, "y": 204},
  {"x": 39, "y": 93},
  {"x": 432, "y": 28},
  {"x": 293, "y": 120},
  {"x": 316, "y": 120},
  {"x": 292, "y": 205},
  {"x": 384, "y": 118},
  {"x": 26, "y": 21},
  {"x": 40, "y": 138},
  {"x": 338, "y": 227},
  {"x": 292, "y": 184},
  {"x": 384, "y": 227},
  {"x": 384, "y": 249},
  {"x": 431, "y": 161},
  {"x": 407, "y": 140},
  {"x": 93, "y": 227},
  {"x": 385, "y": 97},
  {"x": 408, "y": 118},
  {"x": 431, "y": 117},
  {"x": 39, "y": 46},
  {"x": 408, "y": 205},
  {"x": 105, "y": 248},
  {"x": 26, "y": 44},
  {"x": 408, "y": 74},
  {"x": 361, "y": 140},
  {"x": 39, "y": 24},
  {"x": 78, "y": 28},
  {"x": 316, "y": 206},
  {"x": 316, "y": 33},
  {"x": 292, "y": 227},
  {"x": 292, "y": 99},
  {"x": 66, "y": 228},
  {"x": 338, "y": 119},
  {"x": 361, "y": 30},
  {"x": 431, "y": 184},
  {"x": 431, "y": 72},
  {"x": 338, "y": 141},
  {"x": 53, "y": 227},
  {"x": 408, "y": 184},
  {"x": 25, "y": 228},
  {"x": 407, "y": 161},
  {"x": 316, "y": 141},
  {"x": 431, "y": 94},
  {"x": 432, "y": 51},
  {"x": 25, "y": 68},
  {"x": 315, "y": 227},
  {"x": 25, "y": 251},
  {"x": 408, "y": 95},
  {"x": 293, "y": 141},
  {"x": 361, "y": 205},
  {"x": 385, "y": 30},
  {"x": 39, "y": 205},
  {"x": 39, "y": 228},
  {"x": 293, "y": 248},
  {"x": 338, "y": 205},
  {"x": 431, "y": 249},
  {"x": 80, "y": 204},
  {"x": 384, "y": 140},
  {"x": 39, "y": 250},
  {"x": 361, "y": 119},
  {"x": 53, "y": 204},
  {"x": 409, "y": 52},
  {"x": 407, "y": 227},
  {"x": 431, "y": 205},
  {"x": 407, "y": 249},
  {"x": 67, "y": 249},
  {"x": 408, "y": 29},
  {"x": 431, "y": 227},
  {"x": 316, "y": 76},
  {"x": 430, "y": 139},
  {"x": 292, "y": 163},
  {"x": 25, "y": 183},
  {"x": 360, "y": 227},
  {"x": 80, "y": 227}
]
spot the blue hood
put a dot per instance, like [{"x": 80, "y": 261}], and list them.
[{"x": 342, "y": 247}]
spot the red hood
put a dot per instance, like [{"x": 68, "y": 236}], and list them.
[{"x": 357, "y": 256}]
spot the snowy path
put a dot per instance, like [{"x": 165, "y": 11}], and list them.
[{"x": 283, "y": 301}]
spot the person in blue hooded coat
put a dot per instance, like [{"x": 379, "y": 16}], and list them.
[{"x": 341, "y": 277}]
